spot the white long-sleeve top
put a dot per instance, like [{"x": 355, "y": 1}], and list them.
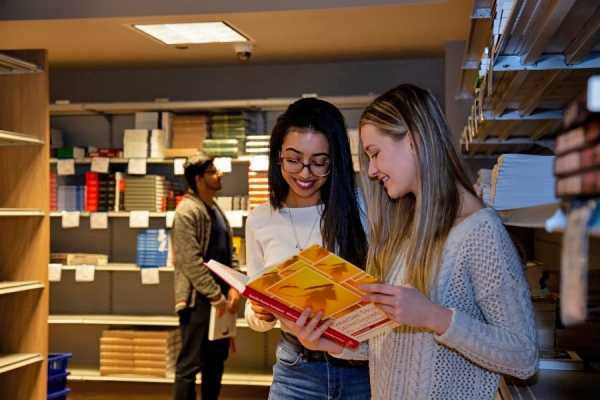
[
  {"x": 270, "y": 239},
  {"x": 482, "y": 280}
]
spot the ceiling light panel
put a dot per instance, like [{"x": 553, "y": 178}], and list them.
[{"x": 190, "y": 33}]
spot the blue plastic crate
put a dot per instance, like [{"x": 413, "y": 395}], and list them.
[
  {"x": 62, "y": 395},
  {"x": 57, "y": 363},
  {"x": 57, "y": 383}
]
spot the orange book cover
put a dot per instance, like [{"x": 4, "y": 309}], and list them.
[{"x": 316, "y": 278}]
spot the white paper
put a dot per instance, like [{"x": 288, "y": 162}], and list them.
[
  {"x": 223, "y": 164},
  {"x": 136, "y": 166},
  {"x": 178, "y": 166},
  {"x": 100, "y": 164},
  {"x": 65, "y": 167},
  {"x": 169, "y": 219},
  {"x": 99, "y": 220},
  {"x": 70, "y": 219},
  {"x": 235, "y": 218},
  {"x": 139, "y": 219},
  {"x": 150, "y": 276},
  {"x": 259, "y": 163},
  {"x": 54, "y": 272},
  {"x": 84, "y": 273}
]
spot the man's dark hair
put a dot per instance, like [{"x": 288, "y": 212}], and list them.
[
  {"x": 341, "y": 225},
  {"x": 195, "y": 166}
]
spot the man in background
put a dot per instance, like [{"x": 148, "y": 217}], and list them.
[{"x": 200, "y": 233}]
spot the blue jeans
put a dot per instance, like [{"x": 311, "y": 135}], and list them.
[{"x": 296, "y": 378}]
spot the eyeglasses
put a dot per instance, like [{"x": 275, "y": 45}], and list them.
[{"x": 293, "y": 166}]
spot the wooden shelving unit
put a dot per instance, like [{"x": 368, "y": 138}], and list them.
[{"x": 24, "y": 237}]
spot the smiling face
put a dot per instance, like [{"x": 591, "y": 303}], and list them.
[
  {"x": 306, "y": 146},
  {"x": 391, "y": 162}
]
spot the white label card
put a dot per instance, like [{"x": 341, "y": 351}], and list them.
[
  {"x": 70, "y": 219},
  {"x": 65, "y": 167},
  {"x": 100, "y": 164},
  {"x": 150, "y": 276},
  {"x": 139, "y": 219},
  {"x": 169, "y": 219},
  {"x": 259, "y": 163},
  {"x": 54, "y": 272},
  {"x": 235, "y": 218},
  {"x": 178, "y": 166},
  {"x": 223, "y": 164},
  {"x": 136, "y": 166},
  {"x": 99, "y": 220},
  {"x": 84, "y": 273},
  {"x": 593, "y": 94}
]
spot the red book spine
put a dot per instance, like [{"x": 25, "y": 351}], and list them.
[{"x": 292, "y": 314}]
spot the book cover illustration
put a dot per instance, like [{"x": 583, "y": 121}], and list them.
[
  {"x": 221, "y": 327},
  {"x": 320, "y": 279}
]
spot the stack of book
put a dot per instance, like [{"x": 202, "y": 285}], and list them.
[
  {"x": 145, "y": 193},
  {"x": 221, "y": 147},
  {"x": 232, "y": 203},
  {"x": 258, "y": 188},
  {"x": 107, "y": 187},
  {"x": 53, "y": 189},
  {"x": 257, "y": 144},
  {"x": 577, "y": 164},
  {"x": 483, "y": 185},
  {"x": 152, "y": 247},
  {"x": 522, "y": 180},
  {"x": 135, "y": 143},
  {"x": 91, "y": 191},
  {"x": 139, "y": 352},
  {"x": 189, "y": 132},
  {"x": 157, "y": 143},
  {"x": 70, "y": 198},
  {"x": 78, "y": 258}
]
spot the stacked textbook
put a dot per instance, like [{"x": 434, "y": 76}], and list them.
[
  {"x": 522, "y": 180},
  {"x": 139, "y": 352}
]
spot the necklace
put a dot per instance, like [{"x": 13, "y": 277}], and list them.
[{"x": 296, "y": 234}]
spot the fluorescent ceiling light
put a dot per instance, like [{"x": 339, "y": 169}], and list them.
[{"x": 196, "y": 32}]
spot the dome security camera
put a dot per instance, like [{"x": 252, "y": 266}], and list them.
[{"x": 243, "y": 50}]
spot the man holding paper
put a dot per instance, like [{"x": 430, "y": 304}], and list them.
[{"x": 201, "y": 233}]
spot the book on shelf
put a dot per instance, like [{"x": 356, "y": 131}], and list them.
[
  {"x": 566, "y": 360},
  {"x": 316, "y": 278},
  {"x": 221, "y": 327}
]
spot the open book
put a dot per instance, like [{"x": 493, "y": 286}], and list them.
[{"x": 314, "y": 278}]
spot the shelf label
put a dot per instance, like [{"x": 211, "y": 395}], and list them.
[
  {"x": 235, "y": 218},
  {"x": 70, "y": 219},
  {"x": 136, "y": 166},
  {"x": 100, "y": 164},
  {"x": 65, "y": 167},
  {"x": 84, "y": 273},
  {"x": 54, "y": 272},
  {"x": 178, "y": 166},
  {"x": 223, "y": 164},
  {"x": 593, "y": 94},
  {"x": 150, "y": 276},
  {"x": 259, "y": 163},
  {"x": 139, "y": 219},
  {"x": 169, "y": 219},
  {"x": 99, "y": 220}
]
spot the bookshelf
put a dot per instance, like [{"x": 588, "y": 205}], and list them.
[{"x": 24, "y": 237}]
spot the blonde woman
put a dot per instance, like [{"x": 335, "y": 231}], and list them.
[{"x": 452, "y": 276}]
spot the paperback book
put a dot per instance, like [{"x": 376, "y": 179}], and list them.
[
  {"x": 221, "y": 327},
  {"x": 316, "y": 278}
]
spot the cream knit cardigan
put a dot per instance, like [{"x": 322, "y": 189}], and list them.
[{"x": 482, "y": 280}]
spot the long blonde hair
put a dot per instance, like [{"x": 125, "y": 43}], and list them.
[{"x": 416, "y": 225}]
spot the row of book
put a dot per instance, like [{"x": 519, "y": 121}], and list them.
[
  {"x": 577, "y": 165},
  {"x": 517, "y": 181},
  {"x": 115, "y": 192}
]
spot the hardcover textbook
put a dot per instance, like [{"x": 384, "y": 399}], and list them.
[{"x": 317, "y": 278}]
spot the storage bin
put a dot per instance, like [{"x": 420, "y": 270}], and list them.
[
  {"x": 57, "y": 383},
  {"x": 57, "y": 363},
  {"x": 62, "y": 395}
]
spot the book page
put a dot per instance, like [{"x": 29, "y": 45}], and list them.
[{"x": 234, "y": 278}]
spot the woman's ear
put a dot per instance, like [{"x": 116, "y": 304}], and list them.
[{"x": 410, "y": 140}]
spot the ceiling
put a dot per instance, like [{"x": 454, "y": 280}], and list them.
[{"x": 101, "y": 37}]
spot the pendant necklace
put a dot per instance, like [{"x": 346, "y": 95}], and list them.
[{"x": 296, "y": 234}]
